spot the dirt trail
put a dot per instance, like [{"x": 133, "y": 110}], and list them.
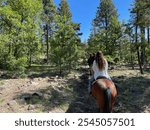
[
  {"x": 133, "y": 93},
  {"x": 69, "y": 94}
]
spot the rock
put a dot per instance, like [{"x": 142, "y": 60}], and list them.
[
  {"x": 1, "y": 88},
  {"x": 30, "y": 82},
  {"x": 12, "y": 106},
  {"x": 12, "y": 103},
  {"x": 37, "y": 95},
  {"x": 76, "y": 76},
  {"x": 48, "y": 92},
  {"x": 47, "y": 96},
  {"x": 31, "y": 107},
  {"x": 55, "y": 79},
  {"x": 26, "y": 97},
  {"x": 35, "y": 83},
  {"x": 21, "y": 101},
  {"x": 39, "y": 79},
  {"x": 112, "y": 67}
]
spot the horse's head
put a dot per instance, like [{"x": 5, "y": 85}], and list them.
[{"x": 91, "y": 59}]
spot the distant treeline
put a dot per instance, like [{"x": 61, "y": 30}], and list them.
[
  {"x": 38, "y": 32},
  {"x": 120, "y": 41}
]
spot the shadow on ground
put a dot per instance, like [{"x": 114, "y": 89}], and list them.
[
  {"x": 72, "y": 97},
  {"x": 133, "y": 94},
  {"x": 33, "y": 72},
  {"x": 82, "y": 102},
  {"x": 46, "y": 100}
]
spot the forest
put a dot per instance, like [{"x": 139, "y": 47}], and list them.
[
  {"x": 39, "y": 39},
  {"x": 37, "y": 32}
]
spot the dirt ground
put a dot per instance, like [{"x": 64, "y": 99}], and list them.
[{"x": 54, "y": 94}]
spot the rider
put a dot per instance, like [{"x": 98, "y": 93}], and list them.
[{"x": 100, "y": 69}]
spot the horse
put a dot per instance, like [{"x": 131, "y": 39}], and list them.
[
  {"x": 90, "y": 62},
  {"x": 105, "y": 92}
]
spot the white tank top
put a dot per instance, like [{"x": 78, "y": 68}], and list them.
[{"x": 98, "y": 72}]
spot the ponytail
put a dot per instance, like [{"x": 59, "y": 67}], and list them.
[{"x": 100, "y": 60}]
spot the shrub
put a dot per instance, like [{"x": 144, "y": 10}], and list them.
[
  {"x": 10, "y": 62},
  {"x": 16, "y": 67},
  {"x": 110, "y": 59},
  {"x": 21, "y": 63}
]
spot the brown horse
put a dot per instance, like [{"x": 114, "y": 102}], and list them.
[
  {"x": 105, "y": 93},
  {"x": 90, "y": 62}
]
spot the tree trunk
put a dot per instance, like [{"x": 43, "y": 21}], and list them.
[
  {"x": 106, "y": 28},
  {"x": 30, "y": 58},
  {"x": 137, "y": 47},
  {"x": 60, "y": 69},
  {"x": 9, "y": 50},
  {"x": 142, "y": 46},
  {"x": 148, "y": 36},
  {"x": 131, "y": 46},
  {"x": 16, "y": 52},
  {"x": 47, "y": 49}
]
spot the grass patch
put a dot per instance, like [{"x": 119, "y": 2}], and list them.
[
  {"x": 64, "y": 107},
  {"x": 1, "y": 101},
  {"x": 1, "y": 82}
]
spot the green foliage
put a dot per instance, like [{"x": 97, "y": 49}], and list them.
[
  {"x": 21, "y": 64},
  {"x": 95, "y": 44},
  {"x": 110, "y": 59},
  {"x": 64, "y": 10},
  {"x": 9, "y": 62},
  {"x": 23, "y": 35},
  {"x": 148, "y": 54},
  {"x": 119, "y": 41},
  {"x": 16, "y": 67},
  {"x": 48, "y": 25},
  {"x": 20, "y": 32},
  {"x": 107, "y": 30},
  {"x": 65, "y": 46},
  {"x": 106, "y": 10},
  {"x": 33, "y": 29},
  {"x": 140, "y": 20}
]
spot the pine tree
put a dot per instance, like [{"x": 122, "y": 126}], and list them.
[
  {"x": 107, "y": 28},
  {"x": 140, "y": 20},
  {"x": 105, "y": 12},
  {"x": 64, "y": 10},
  {"x": 20, "y": 21},
  {"x": 49, "y": 13},
  {"x": 65, "y": 45}
]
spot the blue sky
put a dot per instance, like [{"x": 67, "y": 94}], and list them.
[{"x": 84, "y": 11}]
